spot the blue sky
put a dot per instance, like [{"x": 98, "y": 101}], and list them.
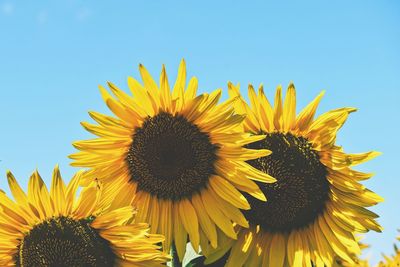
[{"x": 53, "y": 54}]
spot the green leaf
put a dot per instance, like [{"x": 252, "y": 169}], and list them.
[{"x": 199, "y": 262}]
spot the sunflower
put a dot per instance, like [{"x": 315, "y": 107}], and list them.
[
  {"x": 179, "y": 158},
  {"x": 317, "y": 204},
  {"x": 393, "y": 261},
  {"x": 43, "y": 228}
]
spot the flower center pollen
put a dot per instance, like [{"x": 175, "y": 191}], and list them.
[
  {"x": 301, "y": 190},
  {"x": 63, "y": 241},
  {"x": 170, "y": 157}
]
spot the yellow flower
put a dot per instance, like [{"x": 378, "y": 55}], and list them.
[
  {"x": 391, "y": 261},
  {"x": 43, "y": 228},
  {"x": 317, "y": 204},
  {"x": 177, "y": 157}
]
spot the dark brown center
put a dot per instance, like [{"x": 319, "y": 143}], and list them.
[
  {"x": 301, "y": 190},
  {"x": 170, "y": 157},
  {"x": 62, "y": 242}
]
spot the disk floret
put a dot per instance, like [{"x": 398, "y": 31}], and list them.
[
  {"x": 63, "y": 241},
  {"x": 170, "y": 157},
  {"x": 301, "y": 190}
]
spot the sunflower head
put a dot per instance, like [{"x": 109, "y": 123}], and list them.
[
  {"x": 317, "y": 204},
  {"x": 391, "y": 261},
  {"x": 53, "y": 228},
  {"x": 181, "y": 155}
]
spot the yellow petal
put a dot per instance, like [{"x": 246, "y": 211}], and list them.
[
  {"x": 191, "y": 90},
  {"x": 87, "y": 202},
  {"x": 289, "y": 108},
  {"x": 113, "y": 218},
  {"x": 335, "y": 244},
  {"x": 142, "y": 199},
  {"x": 241, "y": 250},
  {"x": 217, "y": 215},
  {"x": 228, "y": 192},
  {"x": 128, "y": 103},
  {"x": 266, "y": 111},
  {"x": 148, "y": 81},
  {"x": 166, "y": 225},
  {"x": 179, "y": 86},
  {"x": 206, "y": 224},
  {"x": 278, "y": 110},
  {"x": 277, "y": 251},
  {"x": 295, "y": 249},
  {"x": 165, "y": 90},
  {"x": 70, "y": 192},
  {"x": 154, "y": 215},
  {"x": 180, "y": 234},
  {"x": 229, "y": 210},
  {"x": 189, "y": 219},
  {"x": 347, "y": 238},
  {"x": 324, "y": 248},
  {"x": 57, "y": 192},
  {"x": 253, "y": 100},
  {"x": 39, "y": 195},
  {"x": 306, "y": 116},
  {"x": 141, "y": 94},
  {"x": 117, "y": 108},
  {"x": 18, "y": 194}
]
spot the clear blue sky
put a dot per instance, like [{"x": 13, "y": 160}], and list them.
[{"x": 53, "y": 54}]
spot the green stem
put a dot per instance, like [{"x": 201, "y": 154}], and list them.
[{"x": 175, "y": 257}]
